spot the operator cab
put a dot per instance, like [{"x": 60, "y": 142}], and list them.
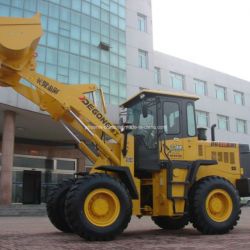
[{"x": 156, "y": 116}]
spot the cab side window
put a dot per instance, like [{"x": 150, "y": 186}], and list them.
[{"x": 171, "y": 118}]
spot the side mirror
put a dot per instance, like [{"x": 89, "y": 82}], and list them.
[{"x": 144, "y": 111}]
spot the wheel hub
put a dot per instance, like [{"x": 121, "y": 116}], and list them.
[
  {"x": 219, "y": 205},
  {"x": 101, "y": 207}
]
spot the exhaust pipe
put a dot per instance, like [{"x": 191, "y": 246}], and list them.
[{"x": 213, "y": 132}]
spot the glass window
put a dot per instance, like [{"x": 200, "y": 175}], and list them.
[
  {"x": 157, "y": 75},
  {"x": 64, "y": 164},
  {"x": 75, "y": 18},
  {"x": 53, "y": 25},
  {"x": 114, "y": 88},
  {"x": 122, "y": 62},
  {"x": 94, "y": 68},
  {"x": 122, "y": 37},
  {"x": 122, "y": 12},
  {"x": 84, "y": 64},
  {"x": 64, "y": 14},
  {"x": 84, "y": 77},
  {"x": 223, "y": 122},
  {"x": 105, "y": 82},
  {"x": 105, "y": 16},
  {"x": 73, "y": 76},
  {"x": 191, "y": 120},
  {"x": 241, "y": 126},
  {"x": 42, "y": 7},
  {"x": 171, "y": 118},
  {"x": 50, "y": 71},
  {"x": 105, "y": 70},
  {"x": 84, "y": 49},
  {"x": 122, "y": 50},
  {"x": 63, "y": 71},
  {"x": 26, "y": 162},
  {"x": 202, "y": 119},
  {"x": 30, "y": 5},
  {"x": 113, "y": 74},
  {"x": 85, "y": 21},
  {"x": 104, "y": 56},
  {"x": 177, "y": 81},
  {"x": 141, "y": 22},
  {"x": 4, "y": 11},
  {"x": 114, "y": 33},
  {"x": 66, "y": 3},
  {"x": 53, "y": 10},
  {"x": 95, "y": 25},
  {"x": 40, "y": 68},
  {"x": 76, "y": 5},
  {"x": 143, "y": 59},
  {"x": 122, "y": 24},
  {"x": 85, "y": 35},
  {"x": 122, "y": 90},
  {"x": 200, "y": 87},
  {"x": 16, "y": 12},
  {"x": 220, "y": 93},
  {"x": 122, "y": 76},
  {"x": 95, "y": 39},
  {"x": 64, "y": 43},
  {"x": 239, "y": 98},
  {"x": 95, "y": 12},
  {"x": 94, "y": 53},
  {"x": 51, "y": 56},
  {"x": 105, "y": 29},
  {"x": 114, "y": 20},
  {"x": 52, "y": 40},
  {"x": 96, "y": 2},
  {"x": 74, "y": 62},
  {"x": 41, "y": 52},
  {"x": 113, "y": 8},
  {"x": 85, "y": 8},
  {"x": 16, "y": 3},
  {"x": 113, "y": 60},
  {"x": 74, "y": 46},
  {"x": 75, "y": 32}
]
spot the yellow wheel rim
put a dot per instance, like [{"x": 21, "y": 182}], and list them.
[
  {"x": 102, "y": 207},
  {"x": 219, "y": 205}
]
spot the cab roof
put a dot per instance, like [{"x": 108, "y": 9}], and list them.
[{"x": 148, "y": 92}]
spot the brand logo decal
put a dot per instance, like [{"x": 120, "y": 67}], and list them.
[{"x": 48, "y": 86}]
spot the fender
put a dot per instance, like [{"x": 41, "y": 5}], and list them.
[{"x": 125, "y": 176}]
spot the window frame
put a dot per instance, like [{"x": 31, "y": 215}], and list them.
[
  {"x": 140, "y": 54},
  {"x": 217, "y": 87},
  {"x": 163, "y": 108},
  {"x": 142, "y": 18},
  {"x": 180, "y": 75},
  {"x": 227, "y": 122}
]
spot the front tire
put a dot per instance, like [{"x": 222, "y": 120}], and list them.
[
  {"x": 98, "y": 207},
  {"x": 171, "y": 223},
  {"x": 55, "y": 205},
  {"x": 214, "y": 205}
]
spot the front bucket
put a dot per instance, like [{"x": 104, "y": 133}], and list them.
[{"x": 18, "y": 41}]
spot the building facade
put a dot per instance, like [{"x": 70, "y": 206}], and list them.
[{"x": 110, "y": 43}]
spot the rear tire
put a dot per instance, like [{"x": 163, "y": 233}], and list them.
[
  {"x": 55, "y": 205},
  {"x": 171, "y": 223},
  {"x": 98, "y": 207},
  {"x": 214, "y": 205}
]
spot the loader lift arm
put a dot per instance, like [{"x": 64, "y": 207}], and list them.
[{"x": 68, "y": 104}]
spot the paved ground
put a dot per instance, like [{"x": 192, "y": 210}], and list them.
[{"x": 37, "y": 233}]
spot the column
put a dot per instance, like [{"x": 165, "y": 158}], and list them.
[{"x": 7, "y": 157}]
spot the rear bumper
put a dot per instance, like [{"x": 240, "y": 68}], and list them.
[{"x": 243, "y": 186}]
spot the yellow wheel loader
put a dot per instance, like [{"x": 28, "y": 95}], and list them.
[{"x": 158, "y": 164}]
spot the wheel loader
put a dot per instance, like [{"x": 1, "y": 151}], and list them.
[{"x": 156, "y": 164}]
